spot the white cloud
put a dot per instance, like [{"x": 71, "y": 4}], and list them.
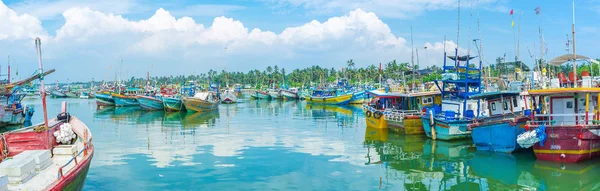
[
  {"x": 101, "y": 39},
  {"x": 46, "y": 9},
  {"x": 14, "y": 26}
]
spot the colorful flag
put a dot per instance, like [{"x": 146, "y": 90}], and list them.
[
  {"x": 511, "y": 12},
  {"x": 513, "y": 23},
  {"x": 537, "y": 10}
]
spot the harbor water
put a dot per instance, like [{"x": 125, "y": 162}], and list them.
[{"x": 289, "y": 145}]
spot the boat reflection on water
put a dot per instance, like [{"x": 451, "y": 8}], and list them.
[
  {"x": 580, "y": 176},
  {"x": 344, "y": 115},
  {"x": 418, "y": 163},
  {"x": 200, "y": 119}
]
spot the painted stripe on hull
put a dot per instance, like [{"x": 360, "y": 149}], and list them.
[{"x": 568, "y": 144}]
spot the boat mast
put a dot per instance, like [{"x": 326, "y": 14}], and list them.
[
  {"x": 38, "y": 45},
  {"x": 574, "y": 52}
]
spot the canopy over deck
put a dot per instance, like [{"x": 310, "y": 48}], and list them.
[
  {"x": 462, "y": 58},
  {"x": 566, "y": 58},
  {"x": 564, "y": 91},
  {"x": 491, "y": 95}
]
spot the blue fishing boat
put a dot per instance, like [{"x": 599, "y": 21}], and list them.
[
  {"x": 457, "y": 110},
  {"x": 359, "y": 97},
  {"x": 127, "y": 99},
  {"x": 498, "y": 130},
  {"x": 104, "y": 99},
  {"x": 150, "y": 102}
]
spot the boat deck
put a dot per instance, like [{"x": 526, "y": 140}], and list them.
[{"x": 43, "y": 179}]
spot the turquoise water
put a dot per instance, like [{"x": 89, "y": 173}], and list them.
[{"x": 274, "y": 145}]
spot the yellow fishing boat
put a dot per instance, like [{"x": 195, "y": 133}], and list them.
[
  {"x": 201, "y": 102},
  {"x": 328, "y": 97},
  {"x": 400, "y": 111}
]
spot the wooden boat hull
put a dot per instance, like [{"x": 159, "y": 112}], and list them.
[
  {"x": 569, "y": 144},
  {"x": 173, "y": 104},
  {"x": 409, "y": 125},
  {"x": 71, "y": 95},
  {"x": 275, "y": 95},
  {"x": 288, "y": 95},
  {"x": 199, "y": 105},
  {"x": 442, "y": 130},
  {"x": 336, "y": 100},
  {"x": 498, "y": 136},
  {"x": 104, "y": 100},
  {"x": 359, "y": 98},
  {"x": 228, "y": 100},
  {"x": 373, "y": 120},
  {"x": 76, "y": 180},
  {"x": 125, "y": 101},
  {"x": 56, "y": 94},
  {"x": 13, "y": 117},
  {"x": 150, "y": 103},
  {"x": 261, "y": 95}
]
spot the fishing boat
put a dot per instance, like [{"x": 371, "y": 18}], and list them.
[
  {"x": 57, "y": 94},
  {"x": 12, "y": 112},
  {"x": 54, "y": 155},
  {"x": 457, "y": 110},
  {"x": 151, "y": 102},
  {"x": 505, "y": 120},
  {"x": 328, "y": 97},
  {"x": 229, "y": 96},
  {"x": 567, "y": 129},
  {"x": 173, "y": 103},
  {"x": 260, "y": 95},
  {"x": 400, "y": 111},
  {"x": 84, "y": 95},
  {"x": 201, "y": 102},
  {"x": 70, "y": 94},
  {"x": 359, "y": 97},
  {"x": 290, "y": 94},
  {"x": 126, "y": 99},
  {"x": 275, "y": 94},
  {"x": 104, "y": 99}
]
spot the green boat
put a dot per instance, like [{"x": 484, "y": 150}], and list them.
[{"x": 173, "y": 104}]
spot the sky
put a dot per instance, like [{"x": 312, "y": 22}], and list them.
[{"x": 88, "y": 39}]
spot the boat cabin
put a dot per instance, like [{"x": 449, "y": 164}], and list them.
[
  {"x": 502, "y": 103},
  {"x": 568, "y": 106},
  {"x": 416, "y": 102}
]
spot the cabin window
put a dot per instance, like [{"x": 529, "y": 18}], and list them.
[
  {"x": 429, "y": 100},
  {"x": 494, "y": 106},
  {"x": 505, "y": 105},
  {"x": 569, "y": 105},
  {"x": 515, "y": 103}
]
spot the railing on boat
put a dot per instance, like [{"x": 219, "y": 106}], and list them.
[
  {"x": 582, "y": 119},
  {"x": 74, "y": 158}
]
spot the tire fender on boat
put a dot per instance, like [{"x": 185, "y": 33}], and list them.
[
  {"x": 368, "y": 113},
  {"x": 377, "y": 115}
]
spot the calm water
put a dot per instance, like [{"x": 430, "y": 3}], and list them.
[{"x": 261, "y": 145}]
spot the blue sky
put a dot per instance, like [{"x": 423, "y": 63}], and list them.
[{"x": 87, "y": 39}]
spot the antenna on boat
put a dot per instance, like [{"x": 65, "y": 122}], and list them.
[
  {"x": 412, "y": 59},
  {"x": 38, "y": 45},
  {"x": 574, "y": 52}
]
